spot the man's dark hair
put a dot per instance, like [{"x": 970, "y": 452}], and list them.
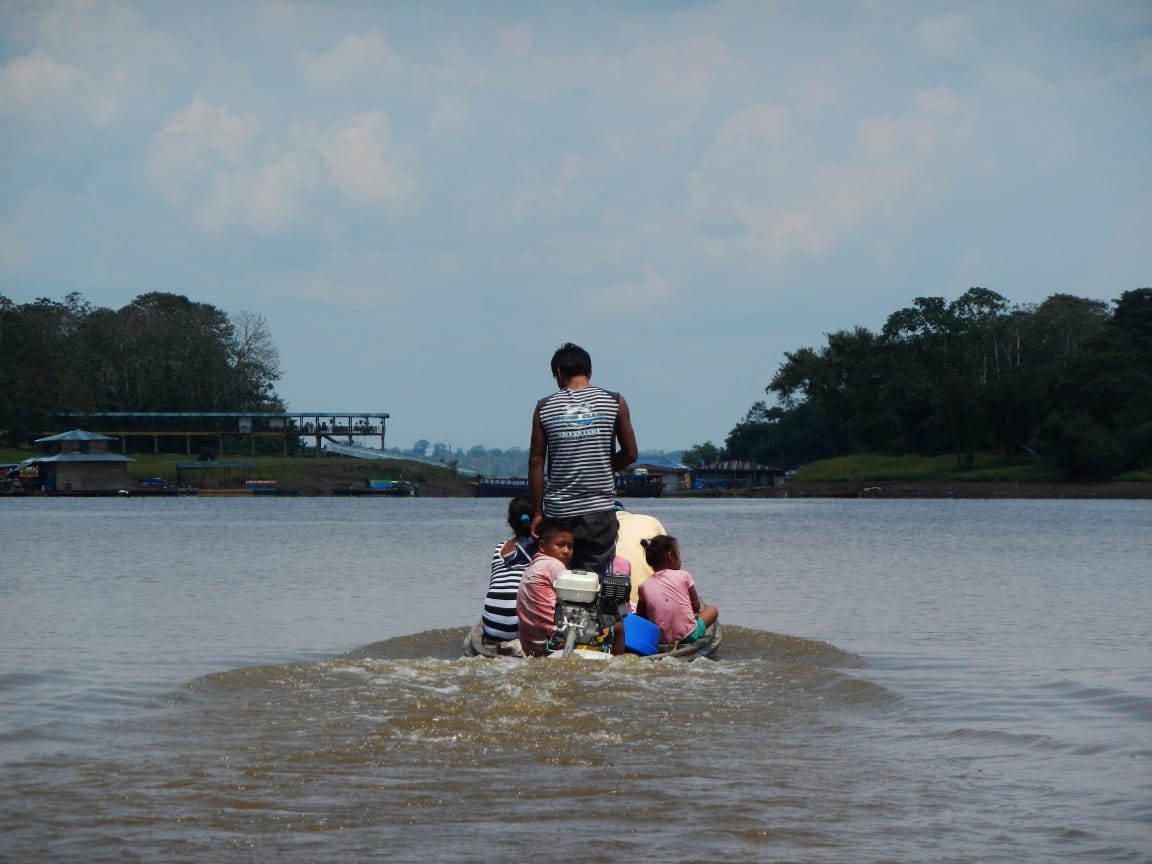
[{"x": 571, "y": 360}]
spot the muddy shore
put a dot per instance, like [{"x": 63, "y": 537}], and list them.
[
  {"x": 438, "y": 487},
  {"x": 981, "y": 489}
]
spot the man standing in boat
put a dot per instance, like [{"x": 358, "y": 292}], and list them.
[{"x": 581, "y": 434}]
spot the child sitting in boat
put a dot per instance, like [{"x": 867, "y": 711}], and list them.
[
  {"x": 536, "y": 600},
  {"x": 508, "y": 562},
  {"x": 668, "y": 597}
]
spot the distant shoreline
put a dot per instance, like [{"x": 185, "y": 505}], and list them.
[{"x": 976, "y": 489}]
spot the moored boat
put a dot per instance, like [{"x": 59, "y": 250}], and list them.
[
  {"x": 491, "y": 486},
  {"x": 383, "y": 488},
  {"x": 639, "y": 484}
]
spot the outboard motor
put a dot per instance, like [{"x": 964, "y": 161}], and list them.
[{"x": 587, "y": 608}]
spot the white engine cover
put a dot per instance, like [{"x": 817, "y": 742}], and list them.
[{"x": 577, "y": 586}]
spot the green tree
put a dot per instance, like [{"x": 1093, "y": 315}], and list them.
[
  {"x": 43, "y": 367},
  {"x": 162, "y": 352},
  {"x": 1066, "y": 378},
  {"x": 1100, "y": 411},
  {"x": 847, "y": 384},
  {"x": 957, "y": 345},
  {"x": 700, "y": 454},
  {"x": 780, "y": 437}
]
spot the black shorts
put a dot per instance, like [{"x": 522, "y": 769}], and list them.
[{"x": 593, "y": 540}]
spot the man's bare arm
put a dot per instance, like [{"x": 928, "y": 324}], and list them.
[
  {"x": 537, "y": 452},
  {"x": 626, "y": 437}
]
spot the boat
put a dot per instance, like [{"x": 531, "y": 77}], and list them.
[
  {"x": 491, "y": 486},
  {"x": 589, "y": 605},
  {"x": 159, "y": 486},
  {"x": 476, "y": 644},
  {"x": 269, "y": 488},
  {"x": 384, "y": 488},
  {"x": 639, "y": 484}
]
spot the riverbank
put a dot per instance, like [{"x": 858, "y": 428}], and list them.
[
  {"x": 848, "y": 477},
  {"x": 978, "y": 489}
]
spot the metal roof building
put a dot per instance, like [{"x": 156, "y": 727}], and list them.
[{"x": 76, "y": 462}]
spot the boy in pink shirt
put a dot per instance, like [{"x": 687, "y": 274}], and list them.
[
  {"x": 668, "y": 597},
  {"x": 536, "y": 599}
]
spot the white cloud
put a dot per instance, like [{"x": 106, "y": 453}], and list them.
[
  {"x": 945, "y": 36},
  {"x": 515, "y": 40},
  {"x": 451, "y": 115},
  {"x": 643, "y": 294},
  {"x": 202, "y": 162},
  {"x": 575, "y": 169},
  {"x": 86, "y": 61},
  {"x": 215, "y": 129},
  {"x": 658, "y": 90},
  {"x": 778, "y": 180},
  {"x": 749, "y": 130},
  {"x": 362, "y": 164},
  {"x": 38, "y": 88},
  {"x": 359, "y": 60},
  {"x": 29, "y": 83},
  {"x": 265, "y": 198},
  {"x": 188, "y": 155},
  {"x": 278, "y": 190},
  {"x": 224, "y": 172}
]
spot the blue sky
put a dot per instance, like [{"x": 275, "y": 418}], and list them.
[{"x": 424, "y": 200}]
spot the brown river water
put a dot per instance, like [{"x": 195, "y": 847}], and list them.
[{"x": 281, "y": 680}]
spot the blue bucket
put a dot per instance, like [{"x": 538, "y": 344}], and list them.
[{"x": 641, "y": 636}]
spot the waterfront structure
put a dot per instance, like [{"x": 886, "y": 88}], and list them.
[
  {"x": 76, "y": 462},
  {"x": 734, "y": 474},
  {"x": 155, "y": 431}
]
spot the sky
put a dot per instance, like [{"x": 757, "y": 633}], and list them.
[{"x": 424, "y": 200}]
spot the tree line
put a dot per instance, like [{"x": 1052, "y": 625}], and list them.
[
  {"x": 1067, "y": 380},
  {"x": 161, "y": 352}
]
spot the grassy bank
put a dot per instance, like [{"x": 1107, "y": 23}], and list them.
[
  {"x": 987, "y": 468},
  {"x": 874, "y": 475},
  {"x": 940, "y": 469}
]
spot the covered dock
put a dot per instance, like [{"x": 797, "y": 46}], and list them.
[{"x": 162, "y": 431}]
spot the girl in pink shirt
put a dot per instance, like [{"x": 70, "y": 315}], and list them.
[{"x": 668, "y": 597}]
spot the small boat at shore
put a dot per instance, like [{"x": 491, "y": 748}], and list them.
[
  {"x": 492, "y": 486},
  {"x": 639, "y": 484},
  {"x": 380, "y": 488},
  {"x": 476, "y": 644}
]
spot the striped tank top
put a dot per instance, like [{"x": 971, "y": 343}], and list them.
[{"x": 580, "y": 427}]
